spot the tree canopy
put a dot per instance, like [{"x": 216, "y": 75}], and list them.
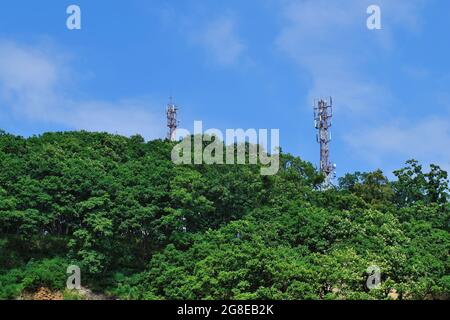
[{"x": 141, "y": 227}]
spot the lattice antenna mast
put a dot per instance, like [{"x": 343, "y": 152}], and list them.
[
  {"x": 172, "y": 123},
  {"x": 323, "y": 113}
]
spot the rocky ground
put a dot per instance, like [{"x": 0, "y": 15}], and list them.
[{"x": 45, "y": 294}]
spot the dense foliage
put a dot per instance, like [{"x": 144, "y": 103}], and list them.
[{"x": 142, "y": 228}]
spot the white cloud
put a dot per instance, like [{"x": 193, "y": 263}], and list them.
[
  {"x": 426, "y": 140},
  {"x": 127, "y": 117},
  {"x": 28, "y": 79},
  {"x": 34, "y": 84},
  {"x": 329, "y": 41},
  {"x": 222, "y": 42}
]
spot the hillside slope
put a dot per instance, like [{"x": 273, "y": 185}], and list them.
[{"x": 140, "y": 227}]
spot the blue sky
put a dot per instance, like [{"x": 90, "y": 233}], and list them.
[{"x": 236, "y": 64}]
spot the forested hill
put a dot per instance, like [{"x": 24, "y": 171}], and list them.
[{"x": 140, "y": 227}]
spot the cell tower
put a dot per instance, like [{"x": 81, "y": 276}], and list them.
[
  {"x": 172, "y": 122},
  {"x": 323, "y": 113}
]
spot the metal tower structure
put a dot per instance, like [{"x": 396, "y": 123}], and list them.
[
  {"x": 323, "y": 113},
  {"x": 172, "y": 122}
]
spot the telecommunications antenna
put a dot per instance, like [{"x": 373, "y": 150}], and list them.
[
  {"x": 172, "y": 123},
  {"x": 323, "y": 113}
]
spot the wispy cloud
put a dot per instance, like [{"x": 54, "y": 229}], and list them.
[
  {"x": 221, "y": 41},
  {"x": 426, "y": 140},
  {"x": 329, "y": 41},
  {"x": 34, "y": 83}
]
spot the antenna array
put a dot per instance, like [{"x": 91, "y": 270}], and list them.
[
  {"x": 172, "y": 122},
  {"x": 323, "y": 113}
]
